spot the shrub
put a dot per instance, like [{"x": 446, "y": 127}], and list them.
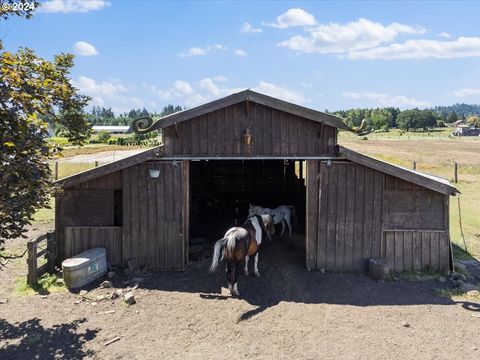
[{"x": 103, "y": 137}]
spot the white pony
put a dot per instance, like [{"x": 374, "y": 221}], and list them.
[{"x": 281, "y": 214}]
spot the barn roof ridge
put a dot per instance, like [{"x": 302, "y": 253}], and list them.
[
  {"x": 140, "y": 126},
  {"x": 428, "y": 181}
]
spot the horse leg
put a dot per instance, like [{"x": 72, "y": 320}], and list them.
[
  {"x": 255, "y": 266},
  {"x": 283, "y": 227},
  {"x": 234, "y": 279},
  {"x": 229, "y": 275},
  {"x": 289, "y": 223},
  {"x": 245, "y": 271}
]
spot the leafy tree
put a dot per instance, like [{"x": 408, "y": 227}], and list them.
[
  {"x": 33, "y": 92},
  {"x": 415, "y": 119},
  {"x": 452, "y": 117},
  {"x": 474, "y": 120}
]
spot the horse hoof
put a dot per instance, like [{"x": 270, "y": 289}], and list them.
[
  {"x": 257, "y": 274},
  {"x": 245, "y": 273},
  {"x": 235, "y": 293}
]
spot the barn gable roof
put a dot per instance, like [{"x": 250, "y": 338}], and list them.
[
  {"x": 425, "y": 180},
  {"x": 142, "y": 126}
]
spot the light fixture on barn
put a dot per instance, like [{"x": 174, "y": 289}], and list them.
[
  {"x": 154, "y": 173},
  {"x": 247, "y": 137}
]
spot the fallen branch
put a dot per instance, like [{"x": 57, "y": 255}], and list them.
[{"x": 111, "y": 341}]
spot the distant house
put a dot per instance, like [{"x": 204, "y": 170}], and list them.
[
  {"x": 111, "y": 129},
  {"x": 466, "y": 130}
]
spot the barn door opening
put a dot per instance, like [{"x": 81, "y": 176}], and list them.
[
  {"x": 155, "y": 215},
  {"x": 221, "y": 191}
]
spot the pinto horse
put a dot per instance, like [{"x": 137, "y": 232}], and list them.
[
  {"x": 282, "y": 214},
  {"x": 239, "y": 243}
]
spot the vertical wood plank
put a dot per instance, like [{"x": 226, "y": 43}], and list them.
[
  {"x": 408, "y": 251},
  {"x": 377, "y": 214},
  {"x": 311, "y": 214},
  {"x": 435, "y": 250},
  {"x": 152, "y": 215},
  {"x": 276, "y": 132},
  {"x": 340, "y": 220},
  {"x": 359, "y": 217},
  {"x": 398, "y": 251},
  {"x": 390, "y": 248},
  {"x": 368, "y": 214},
  {"x": 425, "y": 250},
  {"x": 332, "y": 216},
  {"x": 350, "y": 218},
  {"x": 417, "y": 251},
  {"x": 323, "y": 187},
  {"x": 160, "y": 239}
]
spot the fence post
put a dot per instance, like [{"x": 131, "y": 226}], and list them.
[
  {"x": 414, "y": 165},
  {"x": 32, "y": 276},
  {"x": 56, "y": 169},
  {"x": 96, "y": 163},
  {"x": 455, "y": 165}
]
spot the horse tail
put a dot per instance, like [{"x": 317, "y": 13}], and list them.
[
  {"x": 227, "y": 243},
  {"x": 294, "y": 214}
]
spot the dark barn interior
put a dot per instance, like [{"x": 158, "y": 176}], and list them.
[{"x": 221, "y": 191}]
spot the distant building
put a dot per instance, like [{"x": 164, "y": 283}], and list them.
[
  {"x": 465, "y": 130},
  {"x": 111, "y": 129}
]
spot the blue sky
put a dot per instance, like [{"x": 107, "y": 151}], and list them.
[{"x": 323, "y": 55}]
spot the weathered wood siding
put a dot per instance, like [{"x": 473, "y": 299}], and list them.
[
  {"x": 355, "y": 213},
  {"x": 79, "y": 239},
  {"x": 274, "y": 133},
  {"x": 154, "y": 236},
  {"x": 111, "y": 181}
]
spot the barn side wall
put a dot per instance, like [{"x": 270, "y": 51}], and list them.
[
  {"x": 87, "y": 215},
  {"x": 356, "y": 213},
  {"x": 274, "y": 133}
]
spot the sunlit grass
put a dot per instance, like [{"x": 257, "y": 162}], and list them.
[{"x": 47, "y": 284}]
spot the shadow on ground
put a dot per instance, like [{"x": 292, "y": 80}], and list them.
[
  {"x": 285, "y": 279},
  {"x": 31, "y": 340}
]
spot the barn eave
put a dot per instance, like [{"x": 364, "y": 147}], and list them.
[
  {"x": 111, "y": 167},
  {"x": 424, "y": 180}
]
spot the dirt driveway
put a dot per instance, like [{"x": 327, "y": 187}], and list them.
[{"x": 288, "y": 313}]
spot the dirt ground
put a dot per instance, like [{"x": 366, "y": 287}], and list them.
[{"x": 288, "y": 313}]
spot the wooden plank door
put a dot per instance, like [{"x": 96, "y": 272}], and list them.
[{"x": 154, "y": 216}]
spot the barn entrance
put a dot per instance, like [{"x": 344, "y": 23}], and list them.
[{"x": 221, "y": 191}]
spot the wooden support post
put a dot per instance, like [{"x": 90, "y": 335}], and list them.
[
  {"x": 56, "y": 169},
  {"x": 32, "y": 276},
  {"x": 414, "y": 165},
  {"x": 455, "y": 165},
  {"x": 96, "y": 163}
]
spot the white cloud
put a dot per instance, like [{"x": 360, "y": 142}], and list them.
[
  {"x": 280, "y": 92},
  {"x": 84, "y": 48},
  {"x": 423, "y": 49},
  {"x": 208, "y": 89},
  {"x": 444, "y": 35},
  {"x": 220, "y": 78},
  {"x": 248, "y": 28},
  {"x": 293, "y": 17},
  {"x": 183, "y": 87},
  {"x": 201, "y": 51},
  {"x": 385, "y": 99},
  {"x": 466, "y": 92},
  {"x": 337, "y": 38},
  {"x": 105, "y": 88},
  {"x": 72, "y": 6},
  {"x": 240, "y": 52}
]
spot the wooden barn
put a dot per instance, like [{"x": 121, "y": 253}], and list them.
[{"x": 217, "y": 158}]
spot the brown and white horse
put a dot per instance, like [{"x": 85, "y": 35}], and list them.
[{"x": 238, "y": 244}]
